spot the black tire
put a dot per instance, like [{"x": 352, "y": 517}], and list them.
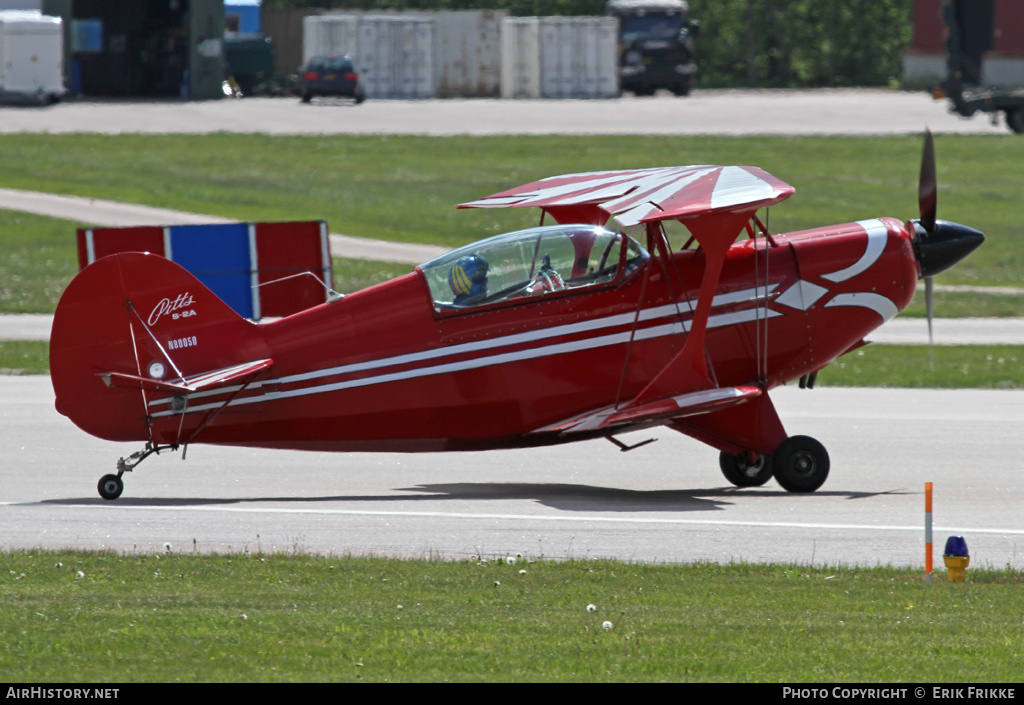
[
  {"x": 1015, "y": 120},
  {"x": 306, "y": 97},
  {"x": 801, "y": 464},
  {"x": 740, "y": 472},
  {"x": 110, "y": 487}
]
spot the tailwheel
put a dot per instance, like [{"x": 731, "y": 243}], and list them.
[
  {"x": 746, "y": 469},
  {"x": 110, "y": 486},
  {"x": 801, "y": 464}
]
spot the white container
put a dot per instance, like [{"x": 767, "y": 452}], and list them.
[
  {"x": 560, "y": 57},
  {"x": 31, "y": 57},
  {"x": 394, "y": 53},
  {"x": 328, "y": 35},
  {"x": 467, "y": 52}
]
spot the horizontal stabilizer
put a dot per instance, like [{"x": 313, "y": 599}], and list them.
[
  {"x": 197, "y": 383},
  {"x": 658, "y": 411}
]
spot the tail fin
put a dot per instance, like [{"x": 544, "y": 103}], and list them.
[{"x": 134, "y": 325}]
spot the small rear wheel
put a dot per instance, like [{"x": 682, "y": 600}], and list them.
[
  {"x": 746, "y": 469},
  {"x": 801, "y": 464},
  {"x": 110, "y": 487}
]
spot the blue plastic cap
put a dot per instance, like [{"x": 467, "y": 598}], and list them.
[{"x": 956, "y": 546}]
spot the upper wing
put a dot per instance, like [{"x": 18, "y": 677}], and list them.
[{"x": 643, "y": 195}]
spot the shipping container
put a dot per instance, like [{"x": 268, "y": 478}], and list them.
[
  {"x": 467, "y": 53},
  {"x": 31, "y": 57},
  {"x": 559, "y": 57}
]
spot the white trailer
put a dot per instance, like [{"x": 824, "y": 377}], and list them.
[{"x": 31, "y": 57}]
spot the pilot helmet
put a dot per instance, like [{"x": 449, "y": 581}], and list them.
[{"x": 468, "y": 276}]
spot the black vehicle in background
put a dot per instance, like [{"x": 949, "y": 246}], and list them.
[
  {"x": 331, "y": 76},
  {"x": 969, "y": 33},
  {"x": 656, "y": 47}
]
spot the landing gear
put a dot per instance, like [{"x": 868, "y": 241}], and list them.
[
  {"x": 801, "y": 464},
  {"x": 111, "y": 486},
  {"x": 746, "y": 469}
]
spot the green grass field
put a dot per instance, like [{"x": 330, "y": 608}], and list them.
[
  {"x": 113, "y": 618},
  {"x": 406, "y": 188}
]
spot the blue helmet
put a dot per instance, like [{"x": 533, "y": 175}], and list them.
[{"x": 468, "y": 276}]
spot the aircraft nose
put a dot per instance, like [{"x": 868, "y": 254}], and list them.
[{"x": 946, "y": 244}]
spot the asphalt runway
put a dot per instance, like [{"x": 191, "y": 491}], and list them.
[{"x": 665, "y": 502}]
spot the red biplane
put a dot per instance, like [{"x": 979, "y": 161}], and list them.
[{"x": 557, "y": 333}]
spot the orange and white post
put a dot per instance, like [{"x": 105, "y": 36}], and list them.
[{"x": 928, "y": 532}]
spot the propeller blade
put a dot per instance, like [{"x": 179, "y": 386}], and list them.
[
  {"x": 929, "y": 292},
  {"x": 927, "y": 187}
]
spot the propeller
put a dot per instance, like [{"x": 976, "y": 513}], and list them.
[
  {"x": 938, "y": 244},
  {"x": 928, "y": 205}
]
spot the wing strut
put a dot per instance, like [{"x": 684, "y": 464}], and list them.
[{"x": 688, "y": 371}]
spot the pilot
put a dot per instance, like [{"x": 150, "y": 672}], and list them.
[{"x": 468, "y": 280}]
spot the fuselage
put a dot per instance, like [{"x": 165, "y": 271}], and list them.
[{"x": 387, "y": 368}]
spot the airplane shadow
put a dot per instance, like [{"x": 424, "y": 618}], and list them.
[{"x": 564, "y": 497}]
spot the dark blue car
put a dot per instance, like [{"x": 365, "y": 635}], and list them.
[{"x": 331, "y": 76}]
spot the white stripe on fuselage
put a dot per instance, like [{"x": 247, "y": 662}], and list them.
[
  {"x": 672, "y": 328},
  {"x": 878, "y": 236}
]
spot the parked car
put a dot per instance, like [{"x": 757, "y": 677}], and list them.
[{"x": 331, "y": 76}]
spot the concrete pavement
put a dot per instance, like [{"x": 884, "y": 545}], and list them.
[{"x": 853, "y": 111}]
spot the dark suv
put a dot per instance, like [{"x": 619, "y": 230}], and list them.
[
  {"x": 656, "y": 45},
  {"x": 331, "y": 76}
]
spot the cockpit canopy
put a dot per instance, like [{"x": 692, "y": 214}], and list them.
[{"x": 529, "y": 263}]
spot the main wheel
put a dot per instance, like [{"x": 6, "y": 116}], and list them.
[
  {"x": 801, "y": 464},
  {"x": 110, "y": 487},
  {"x": 740, "y": 471}
]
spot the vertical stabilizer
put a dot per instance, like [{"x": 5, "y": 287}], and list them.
[{"x": 138, "y": 316}]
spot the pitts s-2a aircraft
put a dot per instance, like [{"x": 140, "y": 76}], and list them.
[{"x": 557, "y": 333}]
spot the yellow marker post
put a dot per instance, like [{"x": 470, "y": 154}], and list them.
[{"x": 957, "y": 558}]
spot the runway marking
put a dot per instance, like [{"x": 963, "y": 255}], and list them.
[{"x": 530, "y": 517}]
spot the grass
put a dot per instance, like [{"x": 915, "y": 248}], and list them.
[
  {"x": 946, "y": 367},
  {"x": 104, "y": 617},
  {"x": 404, "y": 188},
  {"x": 968, "y": 304},
  {"x": 38, "y": 258},
  {"x": 24, "y": 357}
]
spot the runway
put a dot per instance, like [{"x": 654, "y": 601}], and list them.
[{"x": 664, "y": 502}]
